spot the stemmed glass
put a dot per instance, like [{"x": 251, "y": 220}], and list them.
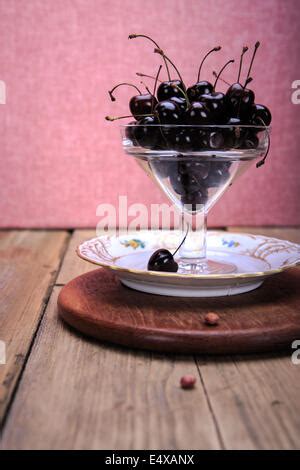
[{"x": 194, "y": 165}]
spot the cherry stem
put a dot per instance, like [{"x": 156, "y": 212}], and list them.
[
  {"x": 159, "y": 51},
  {"x": 249, "y": 79},
  {"x": 262, "y": 162},
  {"x": 134, "y": 36},
  {"x": 183, "y": 240},
  {"x": 257, "y": 44},
  {"x": 156, "y": 80},
  {"x": 142, "y": 83},
  {"x": 245, "y": 49},
  {"x": 215, "y": 49},
  {"x": 115, "y": 118},
  {"x": 121, "y": 84},
  {"x": 147, "y": 76},
  {"x": 222, "y": 79},
  {"x": 218, "y": 76},
  {"x": 155, "y": 85}
]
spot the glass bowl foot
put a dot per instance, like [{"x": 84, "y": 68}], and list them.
[{"x": 206, "y": 266}]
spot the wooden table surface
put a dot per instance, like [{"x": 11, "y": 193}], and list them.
[{"x": 59, "y": 390}]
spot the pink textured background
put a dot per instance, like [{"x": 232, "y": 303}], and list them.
[{"x": 60, "y": 159}]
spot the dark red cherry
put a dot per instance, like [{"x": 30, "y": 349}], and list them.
[
  {"x": 215, "y": 103},
  {"x": 162, "y": 260},
  {"x": 197, "y": 114},
  {"x": 170, "y": 88},
  {"x": 201, "y": 138},
  {"x": 239, "y": 100},
  {"x": 184, "y": 182},
  {"x": 181, "y": 102},
  {"x": 146, "y": 132},
  {"x": 260, "y": 115},
  {"x": 183, "y": 140},
  {"x": 250, "y": 140},
  {"x": 129, "y": 132},
  {"x": 201, "y": 88},
  {"x": 218, "y": 174},
  {"x": 198, "y": 197},
  {"x": 142, "y": 104},
  {"x": 167, "y": 112},
  {"x": 199, "y": 170},
  {"x": 216, "y": 139}
]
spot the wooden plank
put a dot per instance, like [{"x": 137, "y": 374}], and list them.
[
  {"x": 286, "y": 233},
  {"x": 79, "y": 394},
  {"x": 29, "y": 261},
  {"x": 255, "y": 400},
  {"x": 73, "y": 265}
]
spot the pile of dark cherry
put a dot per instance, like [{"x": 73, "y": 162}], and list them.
[{"x": 198, "y": 105}]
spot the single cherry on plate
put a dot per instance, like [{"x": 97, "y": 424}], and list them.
[
  {"x": 202, "y": 87},
  {"x": 162, "y": 260}
]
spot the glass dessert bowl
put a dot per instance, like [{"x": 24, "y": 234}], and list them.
[{"x": 194, "y": 165}]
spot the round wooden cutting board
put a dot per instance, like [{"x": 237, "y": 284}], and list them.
[{"x": 266, "y": 319}]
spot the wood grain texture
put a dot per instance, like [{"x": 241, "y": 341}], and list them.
[
  {"x": 255, "y": 400},
  {"x": 78, "y": 394},
  {"x": 73, "y": 265},
  {"x": 266, "y": 319},
  {"x": 29, "y": 261}
]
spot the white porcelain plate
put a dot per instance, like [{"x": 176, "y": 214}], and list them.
[{"x": 255, "y": 256}]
